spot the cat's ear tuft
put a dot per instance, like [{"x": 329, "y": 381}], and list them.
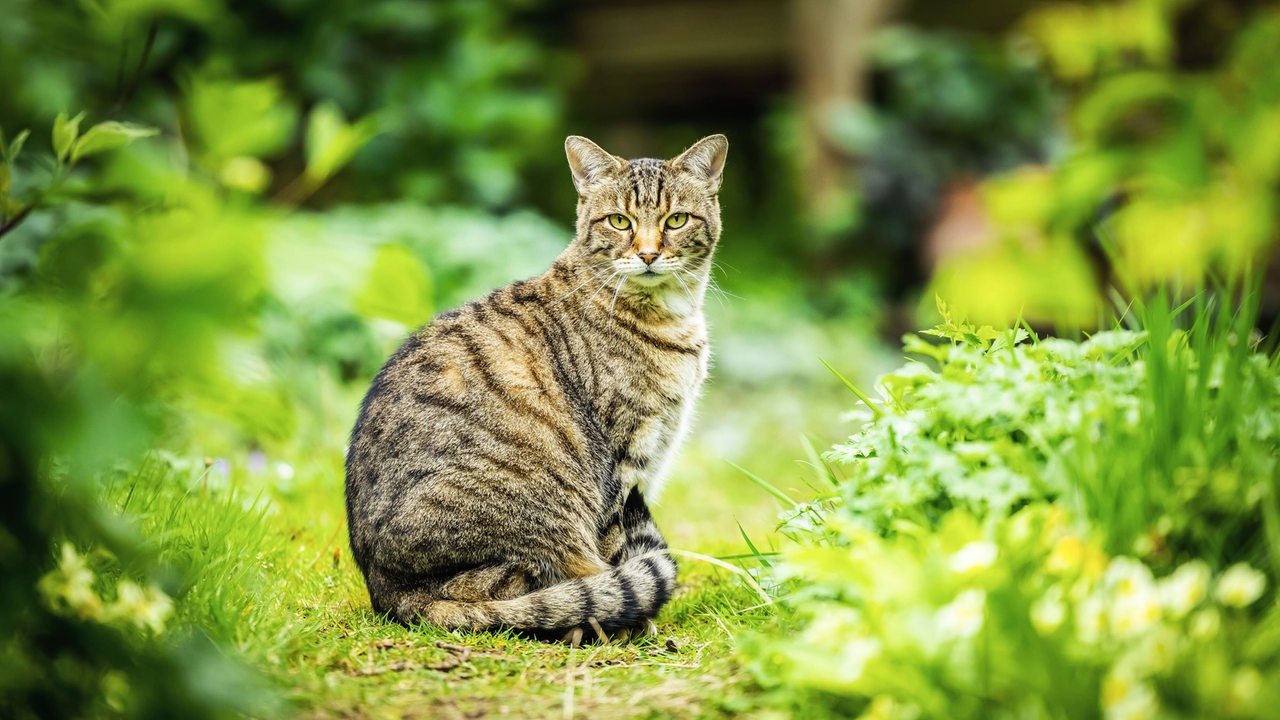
[
  {"x": 588, "y": 161},
  {"x": 706, "y": 159}
]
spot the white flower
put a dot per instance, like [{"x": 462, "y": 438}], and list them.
[
  {"x": 1154, "y": 653},
  {"x": 977, "y": 555},
  {"x": 1126, "y": 576},
  {"x": 1240, "y": 586},
  {"x": 1135, "y": 603},
  {"x": 69, "y": 587},
  {"x": 1049, "y": 611},
  {"x": 1242, "y": 694},
  {"x": 1134, "y": 613},
  {"x": 1125, "y": 698},
  {"x": 284, "y": 470},
  {"x": 146, "y": 608},
  {"x": 1185, "y": 588},
  {"x": 963, "y": 617},
  {"x": 1205, "y": 624},
  {"x": 853, "y": 657},
  {"x": 1091, "y": 619}
]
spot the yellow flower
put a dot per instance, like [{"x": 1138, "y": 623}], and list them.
[
  {"x": 1067, "y": 556},
  {"x": 1240, "y": 586}
]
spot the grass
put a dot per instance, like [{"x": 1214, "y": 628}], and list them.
[{"x": 262, "y": 551}]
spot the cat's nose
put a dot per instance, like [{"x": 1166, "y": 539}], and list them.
[{"x": 648, "y": 257}]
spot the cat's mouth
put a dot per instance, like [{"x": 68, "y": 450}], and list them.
[{"x": 649, "y": 277}]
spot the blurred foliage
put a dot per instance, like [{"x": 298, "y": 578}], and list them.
[
  {"x": 170, "y": 293},
  {"x": 942, "y": 108},
  {"x": 1172, "y": 176},
  {"x": 1047, "y": 529},
  {"x": 463, "y": 102},
  {"x": 1059, "y": 528}
]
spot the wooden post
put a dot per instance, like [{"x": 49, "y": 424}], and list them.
[{"x": 831, "y": 39}]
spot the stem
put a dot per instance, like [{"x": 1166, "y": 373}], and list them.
[
  {"x": 17, "y": 219},
  {"x": 142, "y": 65}
]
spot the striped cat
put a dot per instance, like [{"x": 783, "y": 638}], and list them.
[{"x": 497, "y": 474}]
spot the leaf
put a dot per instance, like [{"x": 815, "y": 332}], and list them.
[
  {"x": 398, "y": 288},
  {"x": 16, "y": 146},
  {"x": 854, "y": 389},
  {"x": 64, "y": 134},
  {"x": 332, "y": 142},
  {"x": 108, "y": 136},
  {"x": 764, "y": 485}
]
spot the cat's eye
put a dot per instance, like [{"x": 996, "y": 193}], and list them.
[
  {"x": 677, "y": 220},
  {"x": 619, "y": 221}
]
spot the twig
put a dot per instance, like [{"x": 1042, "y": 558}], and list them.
[{"x": 142, "y": 65}]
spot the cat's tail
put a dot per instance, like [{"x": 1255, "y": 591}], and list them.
[{"x": 623, "y": 597}]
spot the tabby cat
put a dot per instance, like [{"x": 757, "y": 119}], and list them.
[{"x": 498, "y": 472}]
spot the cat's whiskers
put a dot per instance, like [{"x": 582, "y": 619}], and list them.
[
  {"x": 615, "y": 296},
  {"x": 693, "y": 300},
  {"x": 603, "y": 285},
  {"x": 603, "y": 264}
]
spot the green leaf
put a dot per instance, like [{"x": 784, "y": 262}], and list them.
[
  {"x": 16, "y": 146},
  {"x": 64, "y": 134},
  {"x": 875, "y": 410},
  {"x": 231, "y": 119},
  {"x": 4, "y": 190},
  {"x": 332, "y": 142},
  {"x": 398, "y": 288},
  {"x": 108, "y": 136}
]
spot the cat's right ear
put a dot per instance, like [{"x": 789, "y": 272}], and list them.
[{"x": 588, "y": 161}]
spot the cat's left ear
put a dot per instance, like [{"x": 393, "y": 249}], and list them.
[{"x": 706, "y": 159}]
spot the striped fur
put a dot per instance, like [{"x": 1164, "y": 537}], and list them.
[{"x": 498, "y": 472}]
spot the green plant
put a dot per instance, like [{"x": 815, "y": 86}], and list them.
[{"x": 1049, "y": 528}]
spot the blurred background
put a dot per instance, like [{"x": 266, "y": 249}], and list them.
[{"x": 227, "y": 214}]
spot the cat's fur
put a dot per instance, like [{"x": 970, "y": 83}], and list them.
[{"x": 497, "y": 474}]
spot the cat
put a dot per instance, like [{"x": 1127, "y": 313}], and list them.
[{"x": 498, "y": 472}]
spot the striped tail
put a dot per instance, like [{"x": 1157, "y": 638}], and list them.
[{"x": 621, "y": 598}]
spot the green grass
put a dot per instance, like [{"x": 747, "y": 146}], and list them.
[{"x": 264, "y": 568}]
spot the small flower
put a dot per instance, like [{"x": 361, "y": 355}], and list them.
[
  {"x": 963, "y": 617},
  {"x": 68, "y": 588},
  {"x": 1134, "y": 613},
  {"x": 1125, "y": 698},
  {"x": 1204, "y": 624},
  {"x": 1153, "y": 654},
  {"x": 146, "y": 608},
  {"x": 284, "y": 470},
  {"x": 1066, "y": 557},
  {"x": 257, "y": 461},
  {"x": 887, "y": 707},
  {"x": 1049, "y": 611},
  {"x": 977, "y": 555},
  {"x": 1185, "y": 588},
  {"x": 1091, "y": 619},
  {"x": 1240, "y": 586},
  {"x": 1242, "y": 693},
  {"x": 1129, "y": 577}
]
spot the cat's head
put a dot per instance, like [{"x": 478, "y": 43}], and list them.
[{"x": 655, "y": 222}]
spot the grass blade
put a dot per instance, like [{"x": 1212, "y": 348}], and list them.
[
  {"x": 764, "y": 485},
  {"x": 854, "y": 389}
]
